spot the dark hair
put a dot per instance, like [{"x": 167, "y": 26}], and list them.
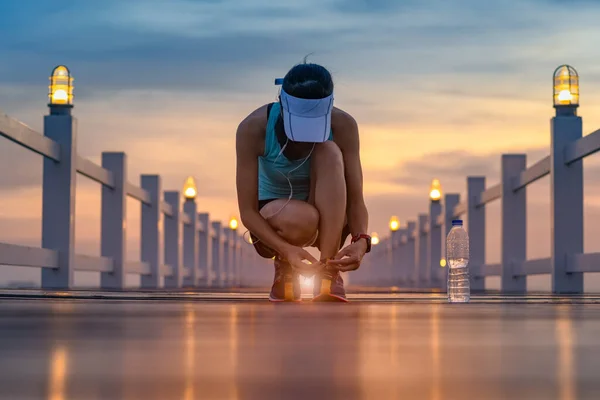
[{"x": 308, "y": 81}]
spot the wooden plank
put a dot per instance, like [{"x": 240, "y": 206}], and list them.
[
  {"x": 488, "y": 270},
  {"x": 138, "y": 193},
  {"x": 137, "y": 267},
  {"x": 23, "y": 135},
  {"x": 93, "y": 263},
  {"x": 166, "y": 209},
  {"x": 540, "y": 266},
  {"x": 440, "y": 220},
  {"x": 589, "y": 262},
  {"x": 166, "y": 270},
  {"x": 185, "y": 219},
  {"x": 583, "y": 147},
  {"x": 491, "y": 194},
  {"x": 95, "y": 172},
  {"x": 459, "y": 210},
  {"x": 532, "y": 174},
  {"x": 25, "y": 256}
]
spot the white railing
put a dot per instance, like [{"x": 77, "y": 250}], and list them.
[
  {"x": 412, "y": 256},
  {"x": 177, "y": 243}
]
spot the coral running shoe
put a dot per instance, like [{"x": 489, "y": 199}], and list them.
[{"x": 286, "y": 285}]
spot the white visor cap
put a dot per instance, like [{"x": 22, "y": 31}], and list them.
[{"x": 306, "y": 120}]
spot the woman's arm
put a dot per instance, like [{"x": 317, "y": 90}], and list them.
[
  {"x": 249, "y": 146},
  {"x": 350, "y": 257},
  {"x": 348, "y": 142}
]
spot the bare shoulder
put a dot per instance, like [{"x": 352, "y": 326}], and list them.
[
  {"x": 345, "y": 128},
  {"x": 251, "y": 131},
  {"x": 342, "y": 119},
  {"x": 256, "y": 121}
]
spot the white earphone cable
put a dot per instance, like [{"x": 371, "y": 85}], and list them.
[{"x": 287, "y": 177}]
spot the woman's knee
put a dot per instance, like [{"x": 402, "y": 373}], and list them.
[
  {"x": 297, "y": 222},
  {"x": 328, "y": 154}
]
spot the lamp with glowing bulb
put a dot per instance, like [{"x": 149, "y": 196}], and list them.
[
  {"x": 190, "y": 190},
  {"x": 566, "y": 129},
  {"x": 435, "y": 193},
  {"x": 566, "y": 89},
  {"x": 60, "y": 90},
  {"x": 434, "y": 236},
  {"x": 394, "y": 224},
  {"x": 233, "y": 223},
  {"x": 374, "y": 239},
  {"x": 191, "y": 234}
]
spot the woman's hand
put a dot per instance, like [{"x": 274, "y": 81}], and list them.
[
  {"x": 301, "y": 260},
  {"x": 350, "y": 257}
]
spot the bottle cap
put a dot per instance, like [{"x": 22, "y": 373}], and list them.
[{"x": 457, "y": 222}]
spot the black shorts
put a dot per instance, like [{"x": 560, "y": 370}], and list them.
[{"x": 265, "y": 251}]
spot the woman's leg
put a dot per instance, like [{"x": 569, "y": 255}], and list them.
[
  {"x": 296, "y": 222},
  {"x": 328, "y": 194}
]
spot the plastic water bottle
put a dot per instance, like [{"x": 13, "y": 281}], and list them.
[{"x": 457, "y": 254}]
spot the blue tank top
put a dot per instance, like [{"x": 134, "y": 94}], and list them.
[{"x": 273, "y": 167}]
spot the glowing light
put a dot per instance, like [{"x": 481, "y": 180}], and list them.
[
  {"x": 435, "y": 193},
  {"x": 394, "y": 224},
  {"x": 190, "y": 352},
  {"x": 189, "y": 188},
  {"x": 58, "y": 373},
  {"x": 443, "y": 262},
  {"x": 233, "y": 223},
  {"x": 61, "y": 87},
  {"x": 60, "y": 95},
  {"x": 566, "y": 86},
  {"x": 374, "y": 239},
  {"x": 565, "y": 95},
  {"x": 307, "y": 282}
]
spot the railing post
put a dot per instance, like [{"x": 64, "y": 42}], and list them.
[
  {"x": 450, "y": 202},
  {"x": 236, "y": 261},
  {"x": 204, "y": 250},
  {"x": 410, "y": 252},
  {"x": 514, "y": 223},
  {"x": 113, "y": 241},
  {"x": 190, "y": 243},
  {"x": 383, "y": 261},
  {"x": 476, "y": 229},
  {"x": 243, "y": 257},
  {"x": 152, "y": 232},
  {"x": 402, "y": 263},
  {"x": 232, "y": 256},
  {"x": 422, "y": 272},
  {"x": 217, "y": 252},
  {"x": 252, "y": 264},
  {"x": 434, "y": 245},
  {"x": 226, "y": 256},
  {"x": 173, "y": 241},
  {"x": 58, "y": 200},
  {"x": 240, "y": 259},
  {"x": 393, "y": 272},
  {"x": 566, "y": 202}
]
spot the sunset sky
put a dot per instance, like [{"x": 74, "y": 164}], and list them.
[{"x": 440, "y": 89}]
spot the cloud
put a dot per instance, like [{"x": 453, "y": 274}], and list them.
[
  {"x": 403, "y": 189},
  {"x": 194, "y": 45},
  {"x": 451, "y": 167}
]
